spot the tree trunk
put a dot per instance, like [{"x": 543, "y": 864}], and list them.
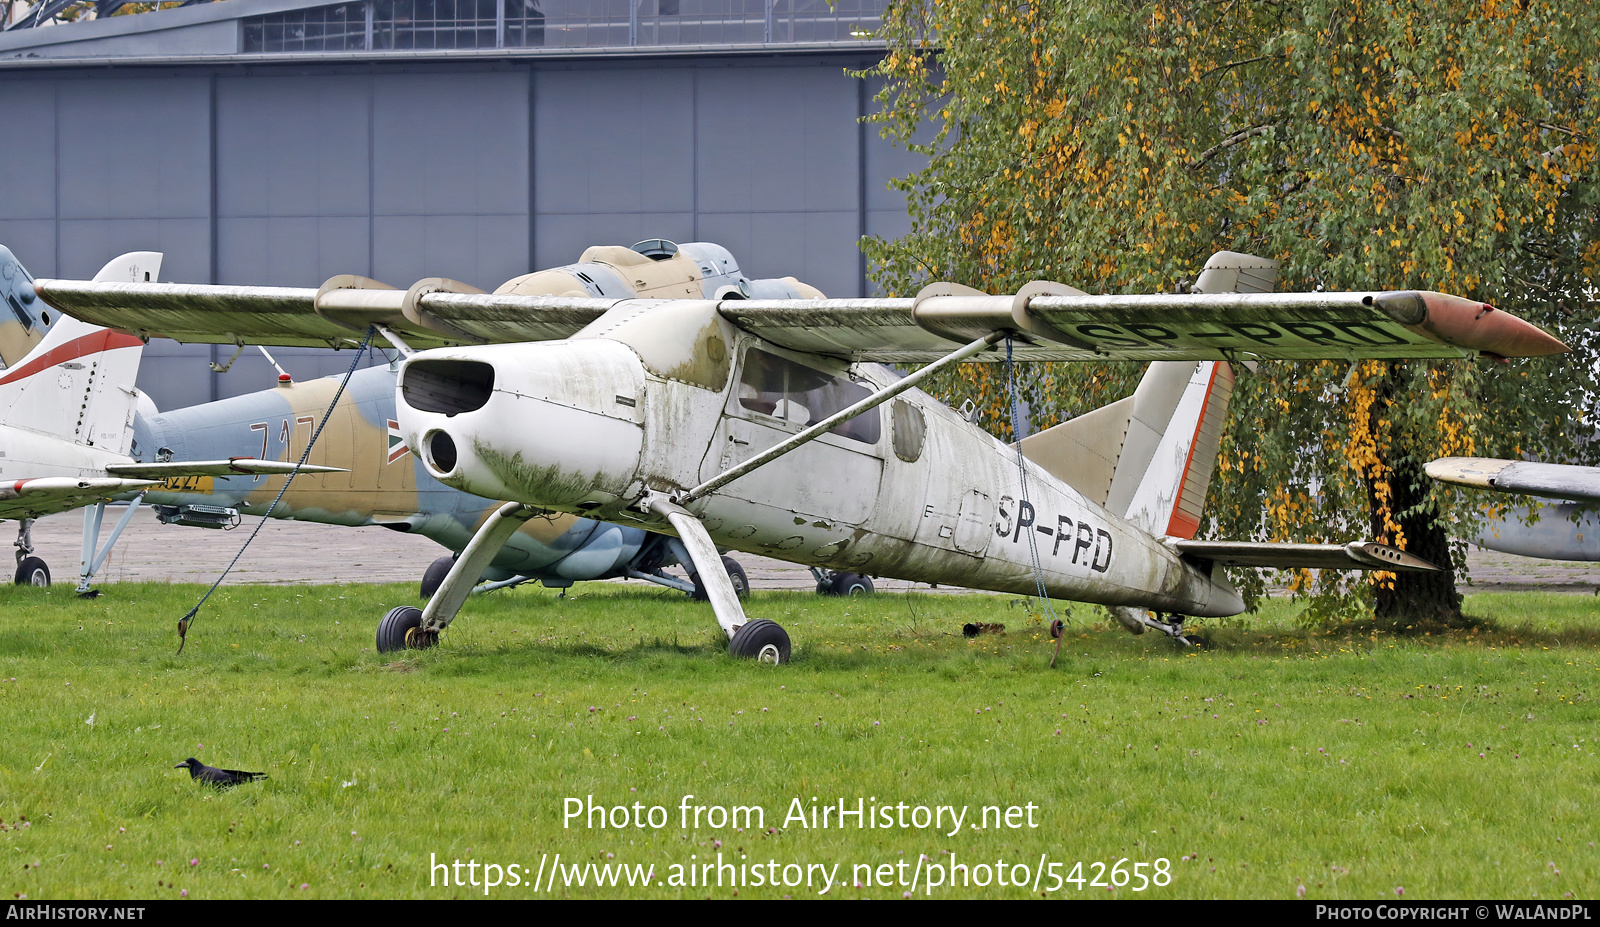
[{"x": 1413, "y": 598}]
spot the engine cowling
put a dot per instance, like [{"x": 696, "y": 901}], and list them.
[{"x": 554, "y": 424}]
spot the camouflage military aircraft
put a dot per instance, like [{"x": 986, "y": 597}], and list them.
[
  {"x": 755, "y": 422},
  {"x": 67, "y": 409},
  {"x": 383, "y": 484}
]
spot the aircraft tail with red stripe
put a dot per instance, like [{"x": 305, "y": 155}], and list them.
[
  {"x": 77, "y": 382},
  {"x": 1149, "y": 458}
]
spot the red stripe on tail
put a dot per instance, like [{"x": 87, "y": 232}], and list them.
[{"x": 96, "y": 343}]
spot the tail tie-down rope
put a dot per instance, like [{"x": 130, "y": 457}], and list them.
[
  {"x": 1057, "y": 627},
  {"x": 187, "y": 620}
]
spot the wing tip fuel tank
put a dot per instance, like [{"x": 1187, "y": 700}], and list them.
[{"x": 1468, "y": 323}]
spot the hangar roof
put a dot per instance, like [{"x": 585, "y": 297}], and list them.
[{"x": 316, "y": 30}]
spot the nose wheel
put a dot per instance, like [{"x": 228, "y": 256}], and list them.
[
  {"x": 736, "y": 575},
  {"x": 433, "y": 576},
  {"x": 850, "y": 585},
  {"x": 32, "y": 571}
]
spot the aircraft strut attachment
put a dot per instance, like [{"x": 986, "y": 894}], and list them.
[{"x": 844, "y": 415}]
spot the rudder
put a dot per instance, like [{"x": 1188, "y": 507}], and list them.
[
  {"x": 77, "y": 381},
  {"x": 1149, "y": 458}
]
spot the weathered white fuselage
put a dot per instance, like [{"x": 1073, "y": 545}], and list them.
[
  {"x": 26, "y": 454},
  {"x": 663, "y": 398}
]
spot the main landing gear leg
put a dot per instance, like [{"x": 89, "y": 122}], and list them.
[
  {"x": 763, "y": 640},
  {"x": 412, "y": 628},
  {"x": 1171, "y": 626},
  {"x": 93, "y": 559},
  {"x": 1137, "y": 619}
]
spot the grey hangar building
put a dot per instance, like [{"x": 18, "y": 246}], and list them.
[{"x": 281, "y": 142}]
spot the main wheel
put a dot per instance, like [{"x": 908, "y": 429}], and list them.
[
  {"x": 741, "y": 583},
  {"x": 33, "y": 572},
  {"x": 761, "y": 640},
  {"x": 850, "y": 584},
  {"x": 401, "y": 629},
  {"x": 433, "y": 576}
]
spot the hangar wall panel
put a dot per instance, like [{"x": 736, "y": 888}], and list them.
[
  {"x": 28, "y": 184},
  {"x": 291, "y": 250},
  {"x": 777, "y": 140},
  {"x": 613, "y": 159},
  {"x": 88, "y": 243},
  {"x": 293, "y": 146},
  {"x": 135, "y": 148},
  {"x": 479, "y": 171}
]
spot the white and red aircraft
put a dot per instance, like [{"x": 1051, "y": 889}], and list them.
[
  {"x": 760, "y": 424},
  {"x": 67, "y": 414}
]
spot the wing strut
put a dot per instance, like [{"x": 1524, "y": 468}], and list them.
[{"x": 839, "y": 418}]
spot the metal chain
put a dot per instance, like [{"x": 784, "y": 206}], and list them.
[
  {"x": 186, "y": 620},
  {"x": 1022, "y": 481}
]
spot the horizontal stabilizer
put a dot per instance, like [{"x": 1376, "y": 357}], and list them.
[
  {"x": 51, "y": 494},
  {"x": 1552, "y": 481},
  {"x": 236, "y": 466},
  {"x": 1356, "y": 555}
]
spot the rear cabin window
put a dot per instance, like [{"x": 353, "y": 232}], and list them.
[{"x": 780, "y": 388}]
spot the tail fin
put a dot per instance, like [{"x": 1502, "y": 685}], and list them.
[
  {"x": 77, "y": 381},
  {"x": 1171, "y": 451},
  {"x": 1149, "y": 458},
  {"x": 24, "y": 318}
]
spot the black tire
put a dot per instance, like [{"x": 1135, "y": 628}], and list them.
[
  {"x": 33, "y": 572},
  {"x": 850, "y": 584},
  {"x": 761, "y": 640},
  {"x": 433, "y": 576},
  {"x": 741, "y": 583},
  {"x": 392, "y": 629}
]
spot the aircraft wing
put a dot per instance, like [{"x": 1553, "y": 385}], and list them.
[
  {"x": 231, "y": 467},
  {"x": 1219, "y": 326},
  {"x": 1356, "y": 555},
  {"x": 1525, "y": 477},
  {"x": 1060, "y": 324},
  {"x": 49, "y": 495},
  {"x": 335, "y": 316}
]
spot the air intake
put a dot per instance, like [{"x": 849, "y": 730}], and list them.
[{"x": 447, "y": 386}]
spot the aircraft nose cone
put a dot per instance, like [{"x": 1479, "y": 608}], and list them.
[{"x": 557, "y": 424}]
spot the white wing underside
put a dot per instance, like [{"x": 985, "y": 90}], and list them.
[{"x": 1195, "y": 326}]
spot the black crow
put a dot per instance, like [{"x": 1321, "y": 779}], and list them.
[{"x": 221, "y": 778}]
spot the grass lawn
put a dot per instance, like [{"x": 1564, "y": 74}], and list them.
[{"x": 1273, "y": 763}]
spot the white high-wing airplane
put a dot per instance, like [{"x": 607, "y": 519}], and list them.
[
  {"x": 66, "y": 417},
  {"x": 757, "y": 424}
]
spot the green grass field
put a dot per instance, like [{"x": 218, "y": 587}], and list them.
[{"x": 1274, "y": 763}]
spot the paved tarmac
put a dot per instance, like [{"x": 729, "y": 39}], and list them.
[{"x": 296, "y": 552}]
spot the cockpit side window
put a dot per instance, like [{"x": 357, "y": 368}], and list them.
[{"x": 783, "y": 389}]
